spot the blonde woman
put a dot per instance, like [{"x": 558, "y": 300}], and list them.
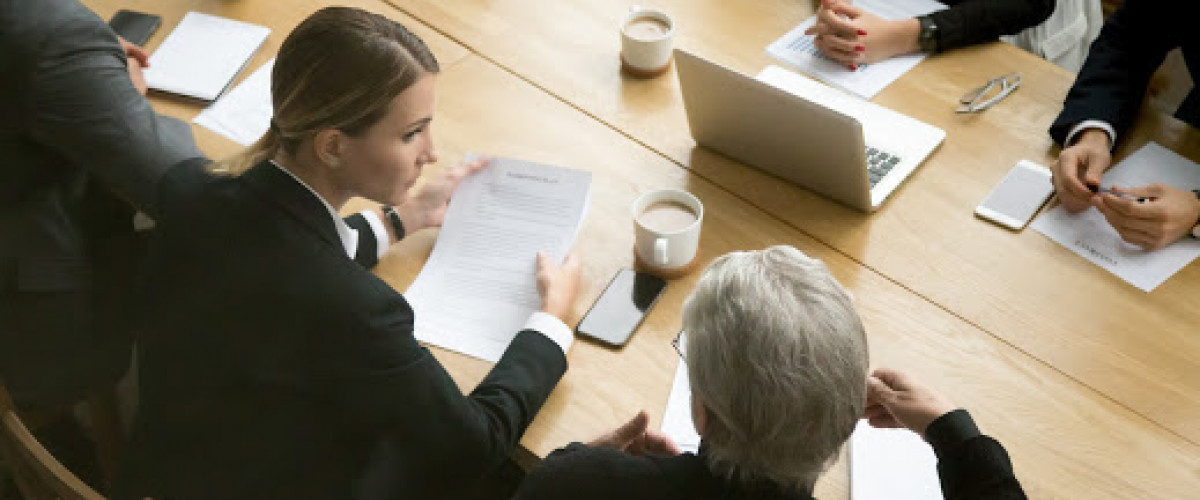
[{"x": 274, "y": 363}]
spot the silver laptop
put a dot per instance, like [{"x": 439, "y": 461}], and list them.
[{"x": 836, "y": 144}]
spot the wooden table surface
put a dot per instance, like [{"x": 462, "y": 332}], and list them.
[
  {"x": 1050, "y": 392},
  {"x": 1142, "y": 350}
]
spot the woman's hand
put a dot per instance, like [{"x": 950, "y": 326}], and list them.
[
  {"x": 853, "y": 36},
  {"x": 426, "y": 205},
  {"x": 558, "y": 284}
]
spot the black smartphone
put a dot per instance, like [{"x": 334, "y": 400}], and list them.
[
  {"x": 136, "y": 27},
  {"x": 622, "y": 307}
]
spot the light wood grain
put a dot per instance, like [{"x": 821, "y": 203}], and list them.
[
  {"x": 1067, "y": 440},
  {"x": 1140, "y": 349}
]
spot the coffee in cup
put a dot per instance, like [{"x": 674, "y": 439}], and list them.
[
  {"x": 646, "y": 36},
  {"x": 667, "y": 230}
]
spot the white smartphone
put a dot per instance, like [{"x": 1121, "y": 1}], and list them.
[{"x": 1014, "y": 201}]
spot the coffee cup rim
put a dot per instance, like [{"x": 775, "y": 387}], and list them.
[
  {"x": 639, "y": 205},
  {"x": 659, "y": 14}
]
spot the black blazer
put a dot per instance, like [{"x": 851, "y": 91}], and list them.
[
  {"x": 78, "y": 145},
  {"x": 971, "y": 467},
  {"x": 274, "y": 366},
  {"x": 969, "y": 22},
  {"x": 1132, "y": 45}
]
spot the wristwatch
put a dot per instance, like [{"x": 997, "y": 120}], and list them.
[
  {"x": 929, "y": 38},
  {"x": 1196, "y": 228},
  {"x": 394, "y": 218}
]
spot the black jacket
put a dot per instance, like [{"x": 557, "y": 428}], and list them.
[
  {"x": 78, "y": 146},
  {"x": 274, "y": 366},
  {"x": 969, "y": 22},
  {"x": 1132, "y": 45},
  {"x": 971, "y": 467}
]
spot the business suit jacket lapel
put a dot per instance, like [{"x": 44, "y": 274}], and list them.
[{"x": 296, "y": 200}]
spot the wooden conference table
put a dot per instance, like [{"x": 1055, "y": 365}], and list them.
[{"x": 1092, "y": 385}]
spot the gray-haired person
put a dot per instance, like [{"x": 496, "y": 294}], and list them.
[{"x": 777, "y": 359}]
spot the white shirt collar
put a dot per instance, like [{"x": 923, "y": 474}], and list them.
[{"x": 345, "y": 233}]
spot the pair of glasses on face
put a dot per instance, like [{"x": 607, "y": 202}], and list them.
[
  {"x": 990, "y": 93},
  {"x": 679, "y": 343}
]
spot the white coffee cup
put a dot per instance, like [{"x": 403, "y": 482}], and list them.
[
  {"x": 664, "y": 240},
  {"x": 646, "y": 35}
]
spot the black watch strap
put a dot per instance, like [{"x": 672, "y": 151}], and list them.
[
  {"x": 929, "y": 39},
  {"x": 394, "y": 218}
]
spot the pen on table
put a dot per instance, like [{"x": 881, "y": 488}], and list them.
[{"x": 1119, "y": 194}]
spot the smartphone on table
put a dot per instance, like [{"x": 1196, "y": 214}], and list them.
[
  {"x": 1017, "y": 198},
  {"x": 622, "y": 307},
  {"x": 136, "y": 27}
]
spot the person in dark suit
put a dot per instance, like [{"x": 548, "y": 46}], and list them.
[
  {"x": 853, "y": 36},
  {"x": 274, "y": 363},
  {"x": 82, "y": 151},
  {"x": 1101, "y": 107},
  {"x": 777, "y": 363}
]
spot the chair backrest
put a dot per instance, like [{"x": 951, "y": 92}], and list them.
[{"x": 37, "y": 473}]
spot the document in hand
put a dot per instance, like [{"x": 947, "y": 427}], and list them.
[
  {"x": 479, "y": 287},
  {"x": 244, "y": 113},
  {"x": 891, "y": 463},
  {"x": 798, "y": 50},
  {"x": 1089, "y": 234},
  {"x": 202, "y": 55}
]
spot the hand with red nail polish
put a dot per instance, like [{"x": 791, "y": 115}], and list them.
[{"x": 853, "y": 37}]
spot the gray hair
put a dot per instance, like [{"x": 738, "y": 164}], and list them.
[{"x": 778, "y": 356}]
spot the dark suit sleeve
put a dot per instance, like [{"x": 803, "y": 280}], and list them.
[
  {"x": 83, "y": 104},
  {"x": 971, "y": 466},
  {"x": 389, "y": 383},
  {"x": 1112, "y": 83},
  {"x": 969, "y": 22}
]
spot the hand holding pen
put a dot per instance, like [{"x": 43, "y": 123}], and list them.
[{"x": 1152, "y": 216}]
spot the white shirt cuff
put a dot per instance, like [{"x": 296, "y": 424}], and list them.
[
  {"x": 1100, "y": 124},
  {"x": 382, "y": 241},
  {"x": 553, "y": 328}
]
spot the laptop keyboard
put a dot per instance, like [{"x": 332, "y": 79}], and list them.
[{"x": 879, "y": 164}]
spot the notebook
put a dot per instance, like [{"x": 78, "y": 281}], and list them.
[{"x": 202, "y": 55}]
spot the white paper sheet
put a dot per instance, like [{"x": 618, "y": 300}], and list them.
[
  {"x": 478, "y": 287},
  {"x": 244, "y": 114},
  {"x": 677, "y": 419},
  {"x": 887, "y": 464},
  {"x": 200, "y": 57},
  {"x": 1089, "y": 234},
  {"x": 797, "y": 49}
]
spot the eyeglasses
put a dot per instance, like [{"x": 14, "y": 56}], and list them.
[
  {"x": 680, "y": 343},
  {"x": 990, "y": 93}
]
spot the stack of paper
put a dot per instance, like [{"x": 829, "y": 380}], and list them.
[
  {"x": 1090, "y": 235},
  {"x": 479, "y": 287},
  {"x": 798, "y": 50},
  {"x": 243, "y": 114},
  {"x": 202, "y": 55},
  {"x": 886, "y": 464}
]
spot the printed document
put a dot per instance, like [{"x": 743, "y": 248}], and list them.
[
  {"x": 891, "y": 463},
  {"x": 1089, "y": 234},
  {"x": 244, "y": 114},
  {"x": 798, "y": 50},
  {"x": 479, "y": 287},
  {"x": 200, "y": 57}
]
